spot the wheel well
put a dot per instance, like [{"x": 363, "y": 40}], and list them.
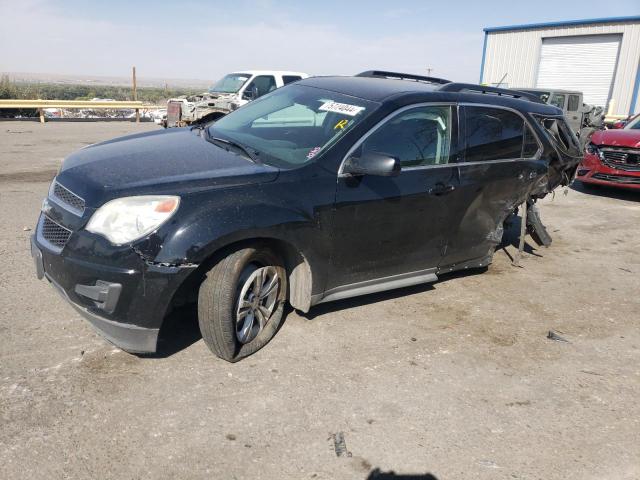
[{"x": 296, "y": 265}]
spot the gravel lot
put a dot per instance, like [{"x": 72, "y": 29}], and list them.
[{"x": 456, "y": 379}]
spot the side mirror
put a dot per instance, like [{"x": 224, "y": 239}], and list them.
[
  {"x": 251, "y": 93},
  {"x": 372, "y": 163}
]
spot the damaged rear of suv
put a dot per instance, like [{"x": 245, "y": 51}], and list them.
[{"x": 325, "y": 189}]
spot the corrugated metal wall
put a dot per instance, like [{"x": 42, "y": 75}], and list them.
[{"x": 517, "y": 53}]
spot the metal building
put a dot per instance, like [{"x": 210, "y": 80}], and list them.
[{"x": 599, "y": 57}]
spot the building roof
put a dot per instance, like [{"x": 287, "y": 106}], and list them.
[{"x": 566, "y": 23}]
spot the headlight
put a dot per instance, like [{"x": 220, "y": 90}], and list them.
[{"x": 126, "y": 219}]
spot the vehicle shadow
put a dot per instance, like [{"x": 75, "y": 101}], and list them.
[
  {"x": 377, "y": 474},
  {"x": 179, "y": 330},
  {"x": 511, "y": 238},
  {"x": 605, "y": 191}
]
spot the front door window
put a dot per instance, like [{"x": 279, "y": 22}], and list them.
[{"x": 418, "y": 137}]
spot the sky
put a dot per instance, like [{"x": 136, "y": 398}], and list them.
[{"x": 206, "y": 39}]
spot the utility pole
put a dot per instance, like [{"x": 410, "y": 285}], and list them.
[{"x": 135, "y": 94}]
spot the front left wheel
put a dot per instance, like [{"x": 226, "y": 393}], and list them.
[{"x": 241, "y": 302}]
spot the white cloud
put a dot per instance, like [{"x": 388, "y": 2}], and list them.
[{"x": 193, "y": 47}]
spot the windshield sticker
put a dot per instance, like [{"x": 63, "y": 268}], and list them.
[
  {"x": 341, "y": 124},
  {"x": 313, "y": 152},
  {"x": 242, "y": 79},
  {"x": 343, "y": 108}
]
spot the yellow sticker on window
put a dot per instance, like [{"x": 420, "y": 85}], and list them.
[{"x": 341, "y": 124}]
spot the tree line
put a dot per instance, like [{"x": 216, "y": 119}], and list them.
[{"x": 56, "y": 91}]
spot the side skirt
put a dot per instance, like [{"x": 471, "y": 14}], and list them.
[
  {"x": 376, "y": 285},
  {"x": 475, "y": 263}
]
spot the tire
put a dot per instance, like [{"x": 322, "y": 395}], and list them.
[{"x": 223, "y": 323}]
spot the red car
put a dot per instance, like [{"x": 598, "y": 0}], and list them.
[{"x": 612, "y": 157}]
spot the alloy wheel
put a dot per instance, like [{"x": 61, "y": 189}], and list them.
[{"x": 256, "y": 301}]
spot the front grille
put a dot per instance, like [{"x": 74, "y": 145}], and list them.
[
  {"x": 54, "y": 233},
  {"x": 627, "y": 179},
  {"x": 68, "y": 197},
  {"x": 622, "y": 158}
]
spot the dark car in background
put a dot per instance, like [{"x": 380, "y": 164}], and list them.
[
  {"x": 321, "y": 190},
  {"x": 612, "y": 158}
]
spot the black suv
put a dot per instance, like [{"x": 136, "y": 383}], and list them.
[{"x": 324, "y": 189}]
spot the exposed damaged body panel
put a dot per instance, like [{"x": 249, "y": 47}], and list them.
[{"x": 203, "y": 107}]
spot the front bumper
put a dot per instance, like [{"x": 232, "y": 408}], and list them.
[
  {"x": 592, "y": 170},
  {"x": 126, "y": 301}
]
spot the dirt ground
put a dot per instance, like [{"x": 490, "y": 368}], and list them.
[{"x": 456, "y": 379}]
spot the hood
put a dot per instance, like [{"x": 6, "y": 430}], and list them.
[
  {"x": 176, "y": 160},
  {"x": 617, "y": 138}
]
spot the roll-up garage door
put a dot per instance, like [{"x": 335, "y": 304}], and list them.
[{"x": 584, "y": 63}]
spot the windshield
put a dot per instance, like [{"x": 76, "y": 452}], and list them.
[
  {"x": 544, "y": 96},
  {"x": 633, "y": 124},
  {"x": 292, "y": 125},
  {"x": 230, "y": 83}
]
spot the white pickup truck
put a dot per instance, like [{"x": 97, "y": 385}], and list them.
[{"x": 227, "y": 94}]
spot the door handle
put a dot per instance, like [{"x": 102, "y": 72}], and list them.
[{"x": 441, "y": 189}]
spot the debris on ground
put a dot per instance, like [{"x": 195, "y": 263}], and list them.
[
  {"x": 339, "y": 445},
  {"x": 554, "y": 336},
  {"x": 377, "y": 474}
]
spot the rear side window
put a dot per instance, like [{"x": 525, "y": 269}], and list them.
[
  {"x": 493, "y": 134},
  {"x": 417, "y": 137},
  {"x": 286, "y": 79},
  {"x": 574, "y": 103}
]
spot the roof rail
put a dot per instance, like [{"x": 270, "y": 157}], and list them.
[
  {"x": 402, "y": 76},
  {"x": 472, "y": 87}
]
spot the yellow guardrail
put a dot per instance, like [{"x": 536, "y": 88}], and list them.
[{"x": 40, "y": 105}]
